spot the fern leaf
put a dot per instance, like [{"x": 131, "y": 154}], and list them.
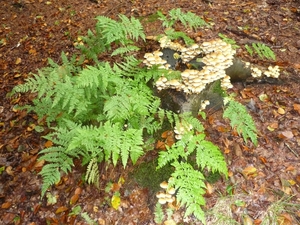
[
  {"x": 51, "y": 175},
  {"x": 241, "y": 121},
  {"x": 191, "y": 188},
  {"x": 118, "y": 108},
  {"x": 133, "y": 28},
  {"x": 173, "y": 35},
  {"x": 125, "y": 49},
  {"x": 159, "y": 214},
  {"x": 187, "y": 19},
  {"x": 209, "y": 156},
  {"x": 92, "y": 172}
]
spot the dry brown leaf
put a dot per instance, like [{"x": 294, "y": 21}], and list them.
[
  {"x": 160, "y": 145},
  {"x": 74, "y": 199},
  {"x": 61, "y": 209},
  {"x": 18, "y": 61},
  {"x": 6, "y": 205},
  {"x": 250, "y": 171},
  {"x": 209, "y": 189},
  {"x": 9, "y": 171},
  {"x": 247, "y": 220},
  {"x": 39, "y": 164},
  {"x": 78, "y": 191},
  {"x": 166, "y": 134},
  {"x": 286, "y": 134},
  {"x": 48, "y": 144},
  {"x": 297, "y": 107},
  {"x": 285, "y": 219}
]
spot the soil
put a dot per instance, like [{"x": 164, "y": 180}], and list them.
[{"x": 34, "y": 30}]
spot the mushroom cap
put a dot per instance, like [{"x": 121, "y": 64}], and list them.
[{"x": 164, "y": 185}]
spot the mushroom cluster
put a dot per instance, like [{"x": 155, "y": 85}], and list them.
[
  {"x": 218, "y": 56},
  {"x": 255, "y": 72},
  {"x": 272, "y": 72},
  {"x": 204, "y": 104},
  {"x": 166, "y": 196},
  {"x": 155, "y": 59}
]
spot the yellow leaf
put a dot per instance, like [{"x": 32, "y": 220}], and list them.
[
  {"x": 250, "y": 171},
  {"x": 292, "y": 182},
  {"x": 18, "y": 61},
  {"x": 281, "y": 111},
  {"x": 61, "y": 209},
  {"x": 115, "y": 202}
]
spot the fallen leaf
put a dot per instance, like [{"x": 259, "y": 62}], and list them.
[
  {"x": 74, "y": 199},
  {"x": 78, "y": 191},
  {"x": 7, "y": 218},
  {"x": 9, "y": 171},
  {"x": 61, "y": 209},
  {"x": 48, "y": 144},
  {"x": 170, "y": 222},
  {"x": 286, "y": 134},
  {"x": 209, "y": 189},
  {"x": 18, "y": 61},
  {"x": 281, "y": 111},
  {"x": 160, "y": 145},
  {"x": 166, "y": 133},
  {"x": 115, "y": 201},
  {"x": 297, "y": 107},
  {"x": 6, "y": 205},
  {"x": 250, "y": 171},
  {"x": 247, "y": 220},
  {"x": 263, "y": 159},
  {"x": 285, "y": 219}
]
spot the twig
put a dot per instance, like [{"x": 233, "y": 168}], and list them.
[{"x": 295, "y": 153}]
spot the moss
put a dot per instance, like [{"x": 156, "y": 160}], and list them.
[{"x": 147, "y": 176}]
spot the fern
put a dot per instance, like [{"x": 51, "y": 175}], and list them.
[
  {"x": 241, "y": 120},
  {"x": 188, "y": 19},
  {"x": 120, "y": 32},
  {"x": 262, "y": 50},
  {"x": 88, "y": 219},
  {"x": 158, "y": 214},
  {"x": 188, "y": 180},
  {"x": 191, "y": 188},
  {"x": 123, "y": 50},
  {"x": 57, "y": 158},
  {"x": 229, "y": 41},
  {"x": 173, "y": 35},
  {"x": 92, "y": 172}
]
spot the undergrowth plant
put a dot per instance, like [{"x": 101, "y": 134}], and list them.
[{"x": 104, "y": 112}]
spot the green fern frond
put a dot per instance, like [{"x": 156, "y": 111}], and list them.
[
  {"x": 114, "y": 31},
  {"x": 187, "y": 19},
  {"x": 209, "y": 156},
  {"x": 125, "y": 49},
  {"x": 129, "y": 68},
  {"x": 228, "y": 40},
  {"x": 132, "y": 27},
  {"x": 241, "y": 121},
  {"x": 51, "y": 175},
  {"x": 262, "y": 50},
  {"x": 173, "y": 35},
  {"x": 249, "y": 49},
  {"x": 158, "y": 214},
  {"x": 191, "y": 188},
  {"x": 88, "y": 219},
  {"x": 92, "y": 172}
]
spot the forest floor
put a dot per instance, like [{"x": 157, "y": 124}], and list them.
[{"x": 264, "y": 183}]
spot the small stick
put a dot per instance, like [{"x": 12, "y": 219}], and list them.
[{"x": 295, "y": 153}]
